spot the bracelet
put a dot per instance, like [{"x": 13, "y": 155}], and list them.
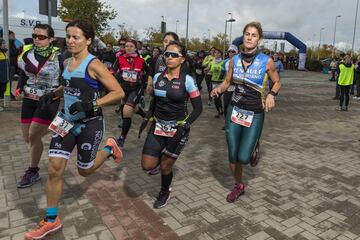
[{"x": 273, "y": 93}]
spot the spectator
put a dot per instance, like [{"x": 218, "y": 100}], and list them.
[
  {"x": 3, "y": 69},
  {"x": 333, "y": 66},
  {"x": 357, "y": 78},
  {"x": 346, "y": 78},
  {"x": 14, "y": 52}
]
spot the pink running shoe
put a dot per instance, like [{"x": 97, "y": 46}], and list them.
[
  {"x": 238, "y": 190},
  {"x": 43, "y": 229},
  {"x": 116, "y": 150}
]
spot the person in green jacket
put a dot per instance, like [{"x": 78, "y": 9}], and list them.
[
  {"x": 346, "y": 72},
  {"x": 216, "y": 78}
]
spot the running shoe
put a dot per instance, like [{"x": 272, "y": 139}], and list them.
[
  {"x": 255, "y": 156},
  {"x": 162, "y": 199},
  {"x": 116, "y": 152},
  {"x": 345, "y": 108},
  {"x": 29, "y": 179},
  {"x": 209, "y": 103},
  {"x": 238, "y": 190},
  {"x": 339, "y": 108},
  {"x": 43, "y": 229}
]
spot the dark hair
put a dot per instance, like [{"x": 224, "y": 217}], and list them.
[
  {"x": 121, "y": 39},
  {"x": 179, "y": 45},
  {"x": 256, "y": 25},
  {"x": 157, "y": 49},
  {"x": 47, "y": 27},
  {"x": 174, "y": 35},
  {"x": 11, "y": 32},
  {"x": 85, "y": 26}
]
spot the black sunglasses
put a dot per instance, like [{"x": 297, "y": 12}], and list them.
[
  {"x": 172, "y": 54},
  {"x": 231, "y": 51},
  {"x": 38, "y": 36}
]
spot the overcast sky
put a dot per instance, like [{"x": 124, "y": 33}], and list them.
[{"x": 302, "y": 18}]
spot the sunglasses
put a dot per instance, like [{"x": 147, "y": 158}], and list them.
[
  {"x": 172, "y": 54},
  {"x": 231, "y": 51},
  {"x": 38, "y": 36}
]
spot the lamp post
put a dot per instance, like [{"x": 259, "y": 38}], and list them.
[
  {"x": 230, "y": 27},
  {"x": 187, "y": 24},
  {"x": 333, "y": 53},
  {"x": 226, "y": 21},
  {"x": 356, "y": 13},
  {"x": 176, "y": 25},
  {"x": 318, "y": 58}
]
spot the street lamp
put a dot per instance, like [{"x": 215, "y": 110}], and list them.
[
  {"x": 338, "y": 16},
  {"x": 187, "y": 24},
  {"x": 226, "y": 21},
  {"x": 176, "y": 24},
  {"x": 356, "y": 13},
  {"x": 318, "y": 58},
  {"x": 230, "y": 27}
]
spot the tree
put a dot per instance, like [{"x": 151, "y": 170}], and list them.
[
  {"x": 109, "y": 38},
  {"x": 154, "y": 36},
  {"x": 128, "y": 33},
  {"x": 96, "y": 12}
]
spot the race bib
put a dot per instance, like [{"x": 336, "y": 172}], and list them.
[
  {"x": 60, "y": 126},
  {"x": 165, "y": 129},
  {"x": 242, "y": 117},
  {"x": 130, "y": 76},
  {"x": 33, "y": 93}
]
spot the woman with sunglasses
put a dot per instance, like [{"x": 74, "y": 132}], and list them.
[
  {"x": 81, "y": 122},
  {"x": 245, "y": 114},
  {"x": 42, "y": 65},
  {"x": 170, "y": 125},
  {"x": 131, "y": 71}
]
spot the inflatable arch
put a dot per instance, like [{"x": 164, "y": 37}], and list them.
[{"x": 283, "y": 36}]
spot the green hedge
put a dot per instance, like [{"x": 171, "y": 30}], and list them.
[{"x": 313, "y": 65}]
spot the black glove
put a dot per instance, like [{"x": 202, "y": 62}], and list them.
[
  {"x": 86, "y": 107},
  {"x": 143, "y": 126},
  {"x": 46, "y": 100},
  {"x": 181, "y": 130}
]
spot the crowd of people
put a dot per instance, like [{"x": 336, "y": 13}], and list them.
[{"x": 86, "y": 80}]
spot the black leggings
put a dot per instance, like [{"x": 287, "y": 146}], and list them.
[
  {"x": 345, "y": 93},
  {"x": 2, "y": 89},
  {"x": 209, "y": 85}
]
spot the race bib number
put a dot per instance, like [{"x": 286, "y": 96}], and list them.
[
  {"x": 130, "y": 76},
  {"x": 242, "y": 117},
  {"x": 60, "y": 126},
  {"x": 33, "y": 93},
  {"x": 165, "y": 130}
]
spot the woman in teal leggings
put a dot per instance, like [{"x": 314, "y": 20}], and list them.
[{"x": 249, "y": 72}]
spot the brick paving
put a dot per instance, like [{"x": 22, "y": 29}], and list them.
[{"x": 305, "y": 187}]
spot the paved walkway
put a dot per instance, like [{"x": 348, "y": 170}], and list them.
[{"x": 305, "y": 187}]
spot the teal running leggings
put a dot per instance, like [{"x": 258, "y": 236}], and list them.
[{"x": 242, "y": 140}]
